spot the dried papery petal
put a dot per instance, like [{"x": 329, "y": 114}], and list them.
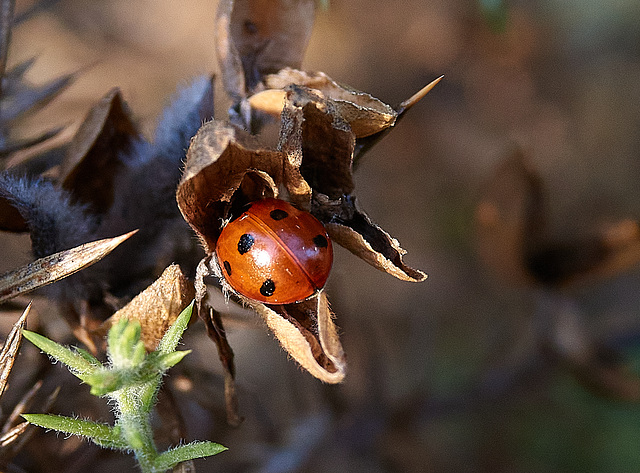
[
  {"x": 157, "y": 307},
  {"x": 258, "y": 37},
  {"x": 352, "y": 229},
  {"x": 365, "y": 114},
  {"x": 221, "y": 160},
  {"x": 307, "y": 332},
  {"x": 510, "y": 217},
  {"x": 95, "y": 154},
  {"x": 318, "y": 142},
  {"x": 270, "y": 101}
]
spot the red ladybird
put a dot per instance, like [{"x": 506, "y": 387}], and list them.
[{"x": 275, "y": 253}]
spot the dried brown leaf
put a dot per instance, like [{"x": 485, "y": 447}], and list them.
[
  {"x": 509, "y": 218},
  {"x": 307, "y": 332},
  {"x": 217, "y": 333},
  {"x": 51, "y": 268},
  {"x": 258, "y": 37},
  {"x": 157, "y": 307},
  {"x": 221, "y": 160},
  {"x": 10, "y": 349},
  {"x": 94, "y": 156}
]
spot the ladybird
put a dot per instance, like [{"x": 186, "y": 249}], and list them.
[{"x": 274, "y": 253}]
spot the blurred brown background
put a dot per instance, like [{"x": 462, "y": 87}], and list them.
[{"x": 444, "y": 375}]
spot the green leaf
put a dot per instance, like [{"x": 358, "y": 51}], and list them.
[
  {"x": 167, "y": 360},
  {"x": 88, "y": 356},
  {"x": 173, "y": 335},
  {"x": 190, "y": 451},
  {"x": 79, "y": 365},
  {"x": 101, "y": 434}
]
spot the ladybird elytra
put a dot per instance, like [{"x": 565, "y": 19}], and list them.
[{"x": 275, "y": 253}]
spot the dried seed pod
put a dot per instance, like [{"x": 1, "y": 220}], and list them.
[
  {"x": 95, "y": 155},
  {"x": 254, "y": 38},
  {"x": 221, "y": 161}
]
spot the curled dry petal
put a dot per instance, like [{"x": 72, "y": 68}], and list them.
[
  {"x": 365, "y": 114},
  {"x": 307, "y": 332},
  {"x": 221, "y": 160},
  {"x": 95, "y": 154},
  {"x": 352, "y": 229},
  {"x": 157, "y": 307},
  {"x": 258, "y": 37}
]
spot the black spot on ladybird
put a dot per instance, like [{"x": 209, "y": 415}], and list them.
[
  {"x": 320, "y": 241},
  {"x": 245, "y": 243},
  {"x": 278, "y": 214},
  {"x": 268, "y": 288},
  {"x": 227, "y": 267}
]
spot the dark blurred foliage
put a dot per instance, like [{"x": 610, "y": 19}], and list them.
[{"x": 453, "y": 374}]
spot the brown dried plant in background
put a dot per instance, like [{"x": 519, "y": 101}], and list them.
[{"x": 514, "y": 240}]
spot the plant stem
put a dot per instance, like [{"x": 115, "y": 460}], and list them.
[{"x": 135, "y": 424}]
